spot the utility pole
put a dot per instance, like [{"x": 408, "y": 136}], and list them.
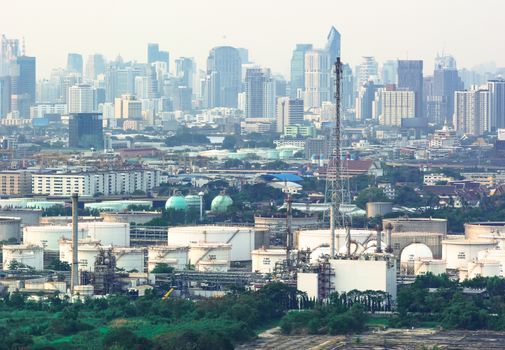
[{"x": 74, "y": 280}]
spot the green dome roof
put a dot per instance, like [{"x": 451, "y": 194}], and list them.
[
  {"x": 177, "y": 203},
  {"x": 221, "y": 203},
  {"x": 192, "y": 200}
]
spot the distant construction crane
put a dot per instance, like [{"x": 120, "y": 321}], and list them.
[{"x": 335, "y": 188}]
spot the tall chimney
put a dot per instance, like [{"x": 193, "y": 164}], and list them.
[
  {"x": 75, "y": 243},
  {"x": 379, "y": 239},
  {"x": 389, "y": 230},
  {"x": 348, "y": 240}
]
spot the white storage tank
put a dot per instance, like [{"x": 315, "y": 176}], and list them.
[
  {"x": 410, "y": 254},
  {"x": 30, "y": 255},
  {"x": 423, "y": 266},
  {"x": 87, "y": 252},
  {"x": 459, "y": 252},
  {"x": 175, "y": 256},
  {"x": 264, "y": 260},
  {"x": 313, "y": 239},
  {"x": 210, "y": 257},
  {"x": 48, "y": 236},
  {"x": 10, "y": 228},
  {"x": 483, "y": 268},
  {"x": 129, "y": 259},
  {"x": 85, "y": 290},
  {"x": 108, "y": 233},
  {"x": 243, "y": 239},
  {"x": 422, "y": 225},
  {"x": 485, "y": 229},
  {"x": 495, "y": 255},
  {"x": 374, "y": 209}
]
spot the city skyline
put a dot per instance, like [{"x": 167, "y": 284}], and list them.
[{"x": 116, "y": 29}]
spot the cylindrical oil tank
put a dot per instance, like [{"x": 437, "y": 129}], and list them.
[
  {"x": 129, "y": 259},
  {"x": 210, "y": 257},
  {"x": 137, "y": 217},
  {"x": 485, "y": 230},
  {"x": 243, "y": 239},
  {"x": 108, "y": 233},
  {"x": 10, "y": 228},
  {"x": 459, "y": 252},
  {"x": 192, "y": 201},
  {"x": 312, "y": 239},
  {"x": 30, "y": 255},
  {"x": 87, "y": 252},
  {"x": 494, "y": 255},
  {"x": 264, "y": 260},
  {"x": 175, "y": 256},
  {"x": 27, "y": 216},
  {"x": 85, "y": 290},
  {"x": 48, "y": 236},
  {"x": 374, "y": 209},
  {"x": 65, "y": 220},
  {"x": 412, "y": 253},
  {"x": 484, "y": 268},
  {"x": 433, "y": 266},
  {"x": 424, "y": 225}
]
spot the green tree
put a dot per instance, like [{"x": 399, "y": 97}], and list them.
[
  {"x": 162, "y": 268},
  {"x": 370, "y": 194}
]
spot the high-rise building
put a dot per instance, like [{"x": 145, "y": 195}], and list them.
[
  {"x": 289, "y": 112},
  {"x": 23, "y": 77},
  {"x": 396, "y": 105},
  {"x": 347, "y": 88},
  {"x": 260, "y": 93},
  {"x": 445, "y": 82},
  {"x": 410, "y": 77},
  {"x": 366, "y": 70},
  {"x": 85, "y": 130},
  {"x": 81, "y": 99},
  {"x": 297, "y": 84},
  {"x": 389, "y": 72},
  {"x": 224, "y": 77},
  {"x": 244, "y": 55},
  {"x": 155, "y": 55},
  {"x": 185, "y": 69},
  {"x": 496, "y": 104},
  {"x": 74, "y": 63},
  {"x": 333, "y": 45},
  {"x": 471, "y": 112},
  {"x": 317, "y": 78},
  {"x": 9, "y": 52},
  {"x": 5, "y": 96},
  {"x": 365, "y": 99},
  {"x": 182, "y": 98},
  {"x": 128, "y": 107},
  {"x": 95, "y": 65}
]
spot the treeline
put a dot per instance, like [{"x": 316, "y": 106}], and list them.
[
  {"x": 119, "y": 322},
  {"x": 439, "y": 300}
]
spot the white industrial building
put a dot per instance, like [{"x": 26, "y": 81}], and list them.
[
  {"x": 64, "y": 184},
  {"x": 242, "y": 239},
  {"x": 210, "y": 257},
  {"x": 174, "y": 256},
  {"x": 30, "y": 255}
]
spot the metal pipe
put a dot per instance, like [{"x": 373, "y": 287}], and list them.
[
  {"x": 389, "y": 233},
  {"x": 348, "y": 240},
  {"x": 379, "y": 239},
  {"x": 332, "y": 231},
  {"x": 74, "y": 281},
  {"x": 201, "y": 205}
]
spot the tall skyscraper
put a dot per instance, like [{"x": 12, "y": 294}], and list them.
[
  {"x": 368, "y": 68},
  {"x": 224, "y": 72},
  {"x": 185, "y": 69},
  {"x": 347, "y": 87},
  {"x": 289, "y": 112},
  {"x": 244, "y": 55},
  {"x": 9, "y": 52},
  {"x": 365, "y": 99},
  {"x": 23, "y": 77},
  {"x": 95, "y": 65},
  {"x": 389, "y": 72},
  {"x": 471, "y": 112},
  {"x": 155, "y": 55},
  {"x": 445, "y": 82},
  {"x": 5, "y": 96},
  {"x": 333, "y": 45},
  {"x": 81, "y": 99},
  {"x": 85, "y": 130},
  {"x": 74, "y": 63},
  {"x": 260, "y": 93},
  {"x": 496, "y": 104},
  {"x": 317, "y": 78},
  {"x": 410, "y": 77},
  {"x": 297, "y": 85}
]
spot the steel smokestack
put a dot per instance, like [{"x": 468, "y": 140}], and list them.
[{"x": 74, "y": 281}]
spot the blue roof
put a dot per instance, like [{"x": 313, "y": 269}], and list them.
[{"x": 285, "y": 177}]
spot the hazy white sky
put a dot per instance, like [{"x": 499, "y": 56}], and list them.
[{"x": 472, "y": 31}]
